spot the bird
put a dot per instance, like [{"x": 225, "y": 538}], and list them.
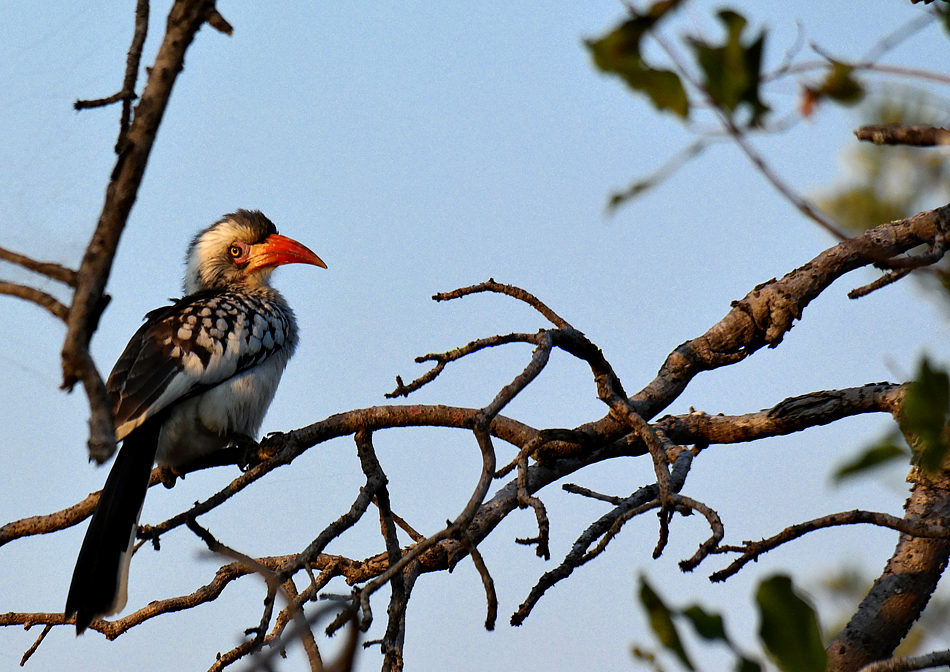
[{"x": 197, "y": 377}]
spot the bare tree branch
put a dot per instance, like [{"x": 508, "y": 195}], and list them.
[
  {"x": 441, "y": 359},
  {"x": 39, "y": 640},
  {"x": 127, "y": 93},
  {"x": 487, "y": 581},
  {"x": 791, "y": 415},
  {"x": 67, "y": 276},
  {"x": 761, "y": 318},
  {"x": 900, "y": 594},
  {"x": 899, "y": 134},
  {"x": 768, "y": 312},
  {"x": 41, "y": 299},
  {"x": 184, "y": 20},
  {"x": 883, "y": 281},
  {"x": 751, "y": 550},
  {"x": 908, "y": 663},
  {"x": 510, "y": 290},
  {"x": 605, "y": 528}
]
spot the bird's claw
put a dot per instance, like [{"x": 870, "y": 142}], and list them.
[
  {"x": 168, "y": 476},
  {"x": 247, "y": 451}
]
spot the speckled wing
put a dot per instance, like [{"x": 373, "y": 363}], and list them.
[{"x": 189, "y": 347}]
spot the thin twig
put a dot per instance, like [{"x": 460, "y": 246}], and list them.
[
  {"x": 883, "y": 281},
  {"x": 264, "y": 661},
  {"x": 270, "y": 577},
  {"x": 715, "y": 524},
  {"x": 294, "y": 612},
  {"x": 543, "y": 439},
  {"x": 645, "y": 498},
  {"x": 525, "y": 500},
  {"x": 738, "y": 135},
  {"x": 39, "y": 640},
  {"x": 510, "y": 290},
  {"x": 661, "y": 174},
  {"x": 578, "y": 490},
  {"x": 443, "y": 358},
  {"x": 132, "y": 70},
  {"x": 399, "y": 596},
  {"x": 402, "y": 524},
  {"x": 615, "y": 528},
  {"x": 909, "y": 663},
  {"x": 487, "y": 581},
  {"x": 900, "y": 34},
  {"x": 374, "y": 482},
  {"x": 91, "y": 103},
  {"x": 32, "y": 295},
  {"x": 481, "y": 424},
  {"x": 751, "y": 550},
  {"x": 67, "y": 276}
]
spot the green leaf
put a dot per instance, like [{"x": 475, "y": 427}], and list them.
[
  {"x": 879, "y": 454},
  {"x": 789, "y": 627},
  {"x": 711, "y": 627},
  {"x": 924, "y": 414},
  {"x": 733, "y": 69},
  {"x": 661, "y": 620},
  {"x": 840, "y": 85},
  {"x": 707, "y": 626},
  {"x": 618, "y": 53}
]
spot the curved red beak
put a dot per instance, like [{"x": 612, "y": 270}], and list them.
[{"x": 277, "y": 250}]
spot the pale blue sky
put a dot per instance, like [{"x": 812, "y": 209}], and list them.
[{"x": 418, "y": 147}]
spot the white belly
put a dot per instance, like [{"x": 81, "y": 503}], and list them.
[{"x": 206, "y": 423}]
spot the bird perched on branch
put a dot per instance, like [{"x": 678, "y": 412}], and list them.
[{"x": 197, "y": 377}]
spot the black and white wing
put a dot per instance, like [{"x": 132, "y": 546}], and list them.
[{"x": 192, "y": 346}]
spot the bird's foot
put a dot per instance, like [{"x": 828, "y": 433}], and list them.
[
  {"x": 168, "y": 476},
  {"x": 248, "y": 451}
]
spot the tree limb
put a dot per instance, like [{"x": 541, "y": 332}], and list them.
[
  {"x": 67, "y": 276},
  {"x": 184, "y": 20},
  {"x": 900, "y": 594},
  {"x": 751, "y": 550},
  {"x": 908, "y": 663},
  {"x": 41, "y": 299},
  {"x": 899, "y": 134}
]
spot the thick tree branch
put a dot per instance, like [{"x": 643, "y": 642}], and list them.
[
  {"x": 184, "y": 21},
  {"x": 761, "y": 318},
  {"x": 768, "y": 312},
  {"x": 791, "y": 415},
  {"x": 900, "y": 594}
]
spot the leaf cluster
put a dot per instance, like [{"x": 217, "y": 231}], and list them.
[
  {"x": 789, "y": 629},
  {"x": 731, "y": 69}
]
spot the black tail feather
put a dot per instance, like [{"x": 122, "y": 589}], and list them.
[{"x": 97, "y": 580}]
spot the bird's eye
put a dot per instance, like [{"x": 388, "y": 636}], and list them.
[{"x": 235, "y": 251}]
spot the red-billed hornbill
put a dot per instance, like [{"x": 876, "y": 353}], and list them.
[{"x": 195, "y": 378}]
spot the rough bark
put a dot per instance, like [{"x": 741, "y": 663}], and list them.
[{"x": 901, "y": 593}]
